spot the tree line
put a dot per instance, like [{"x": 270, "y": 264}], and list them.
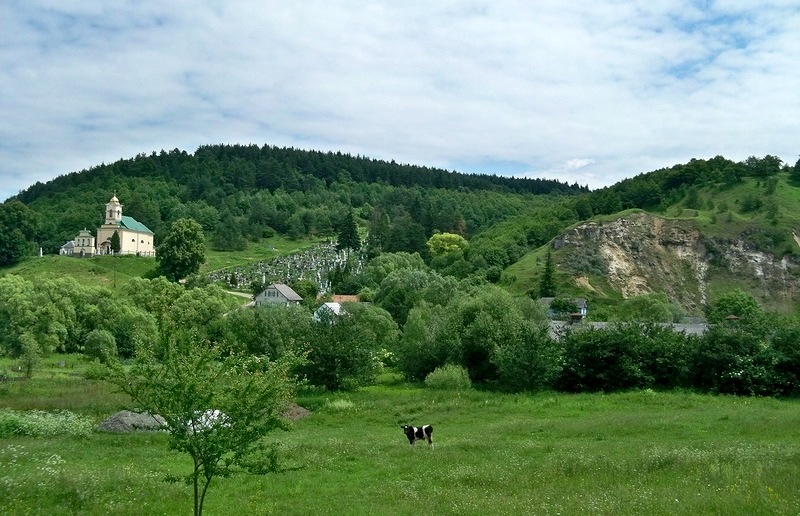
[
  {"x": 419, "y": 321},
  {"x": 666, "y": 186}
]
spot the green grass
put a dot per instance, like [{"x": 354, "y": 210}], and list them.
[
  {"x": 255, "y": 252},
  {"x": 108, "y": 271},
  {"x": 631, "y": 453},
  {"x": 114, "y": 271}
]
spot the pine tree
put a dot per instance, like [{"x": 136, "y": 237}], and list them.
[
  {"x": 115, "y": 243},
  {"x": 547, "y": 285},
  {"x": 348, "y": 233}
]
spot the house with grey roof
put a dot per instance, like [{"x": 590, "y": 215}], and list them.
[{"x": 278, "y": 294}]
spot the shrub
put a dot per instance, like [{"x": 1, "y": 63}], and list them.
[
  {"x": 528, "y": 363},
  {"x": 429, "y": 341},
  {"x": 786, "y": 360},
  {"x": 663, "y": 355},
  {"x": 731, "y": 360},
  {"x": 603, "y": 360},
  {"x": 449, "y": 377}
]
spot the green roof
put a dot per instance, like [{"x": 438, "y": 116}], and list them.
[{"x": 134, "y": 225}]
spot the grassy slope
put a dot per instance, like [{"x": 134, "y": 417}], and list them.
[
  {"x": 106, "y": 271},
  {"x": 255, "y": 252},
  {"x": 117, "y": 270},
  {"x": 630, "y": 453}
]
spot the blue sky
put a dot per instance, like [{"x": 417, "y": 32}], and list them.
[{"x": 586, "y": 92}]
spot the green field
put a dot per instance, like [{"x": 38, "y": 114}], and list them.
[{"x": 631, "y": 453}]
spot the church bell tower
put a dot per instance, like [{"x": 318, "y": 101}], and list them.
[{"x": 113, "y": 211}]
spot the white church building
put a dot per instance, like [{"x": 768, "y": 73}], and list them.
[{"x": 134, "y": 237}]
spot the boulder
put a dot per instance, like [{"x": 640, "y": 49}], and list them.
[{"x": 127, "y": 421}]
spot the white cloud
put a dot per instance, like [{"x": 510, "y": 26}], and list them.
[{"x": 590, "y": 93}]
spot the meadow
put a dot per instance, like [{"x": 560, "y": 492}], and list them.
[{"x": 641, "y": 452}]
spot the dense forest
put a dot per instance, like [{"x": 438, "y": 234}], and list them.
[{"x": 241, "y": 193}]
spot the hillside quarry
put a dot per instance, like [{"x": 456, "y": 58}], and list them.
[{"x": 644, "y": 253}]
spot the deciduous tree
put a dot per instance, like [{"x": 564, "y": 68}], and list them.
[
  {"x": 218, "y": 404},
  {"x": 18, "y": 228},
  {"x": 445, "y": 243},
  {"x": 182, "y": 251}
]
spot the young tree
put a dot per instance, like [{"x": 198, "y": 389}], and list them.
[
  {"x": 378, "y": 231},
  {"x": 155, "y": 296},
  {"x": 345, "y": 348},
  {"x": 306, "y": 289},
  {"x": 736, "y": 303},
  {"x": 271, "y": 330},
  {"x": 218, "y": 404},
  {"x": 380, "y": 267},
  {"x": 182, "y": 251},
  {"x": 794, "y": 172}
]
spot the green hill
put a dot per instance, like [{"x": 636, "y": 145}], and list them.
[
  {"x": 712, "y": 238},
  {"x": 691, "y": 230}
]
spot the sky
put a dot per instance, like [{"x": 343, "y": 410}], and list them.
[{"x": 586, "y": 92}]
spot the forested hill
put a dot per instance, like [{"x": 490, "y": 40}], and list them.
[
  {"x": 246, "y": 192},
  {"x": 243, "y": 167},
  {"x": 242, "y": 194}
]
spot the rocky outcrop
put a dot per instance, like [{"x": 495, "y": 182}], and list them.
[
  {"x": 642, "y": 253},
  {"x": 126, "y": 421}
]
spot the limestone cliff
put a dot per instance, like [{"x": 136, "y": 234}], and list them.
[{"x": 641, "y": 253}]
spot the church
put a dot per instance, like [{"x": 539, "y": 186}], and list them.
[{"x": 134, "y": 237}]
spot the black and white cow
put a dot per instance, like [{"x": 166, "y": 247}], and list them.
[{"x": 418, "y": 432}]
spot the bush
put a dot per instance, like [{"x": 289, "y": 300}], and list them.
[
  {"x": 429, "y": 341},
  {"x": 37, "y": 423},
  {"x": 786, "y": 360},
  {"x": 603, "y": 360},
  {"x": 528, "y": 363},
  {"x": 731, "y": 360},
  {"x": 448, "y": 377}
]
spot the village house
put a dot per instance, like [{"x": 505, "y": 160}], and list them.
[
  {"x": 580, "y": 303},
  {"x": 328, "y": 311},
  {"x": 334, "y": 308},
  {"x": 278, "y": 294}
]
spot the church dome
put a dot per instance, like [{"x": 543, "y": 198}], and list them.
[{"x": 114, "y": 199}]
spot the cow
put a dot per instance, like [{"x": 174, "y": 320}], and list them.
[{"x": 418, "y": 432}]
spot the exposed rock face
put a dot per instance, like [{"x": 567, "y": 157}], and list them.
[{"x": 643, "y": 253}]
